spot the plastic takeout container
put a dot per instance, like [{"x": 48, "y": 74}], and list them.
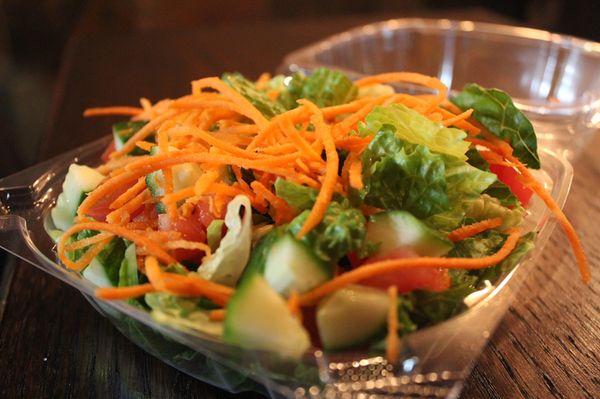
[
  {"x": 434, "y": 361},
  {"x": 532, "y": 65},
  {"x": 554, "y": 79}
]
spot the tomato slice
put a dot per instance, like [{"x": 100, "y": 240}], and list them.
[
  {"x": 406, "y": 280},
  {"x": 109, "y": 150},
  {"x": 510, "y": 177}
]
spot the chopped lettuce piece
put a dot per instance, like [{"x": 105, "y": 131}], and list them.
[
  {"x": 524, "y": 245},
  {"x": 486, "y": 207},
  {"x": 128, "y": 272},
  {"x": 181, "y": 313},
  {"x": 415, "y": 128},
  {"x": 227, "y": 263},
  {"x": 341, "y": 231},
  {"x": 326, "y": 87},
  {"x": 214, "y": 233},
  {"x": 434, "y": 307},
  {"x": 258, "y": 98},
  {"x": 495, "y": 110},
  {"x": 399, "y": 175},
  {"x": 299, "y": 196}
]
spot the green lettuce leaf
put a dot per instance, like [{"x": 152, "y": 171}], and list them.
[
  {"x": 326, "y": 87},
  {"x": 415, "y": 128},
  {"x": 227, "y": 263},
  {"x": 524, "y": 245},
  {"x": 434, "y": 307},
  {"x": 128, "y": 272},
  {"x": 465, "y": 181},
  {"x": 214, "y": 233},
  {"x": 399, "y": 175},
  {"x": 258, "y": 98},
  {"x": 486, "y": 207},
  {"x": 183, "y": 313},
  {"x": 341, "y": 231},
  {"x": 495, "y": 110},
  {"x": 299, "y": 196}
]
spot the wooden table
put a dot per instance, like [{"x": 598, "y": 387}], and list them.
[{"x": 54, "y": 345}]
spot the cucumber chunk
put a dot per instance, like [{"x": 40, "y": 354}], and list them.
[
  {"x": 351, "y": 316},
  {"x": 122, "y": 131},
  {"x": 400, "y": 229},
  {"x": 287, "y": 264},
  {"x": 79, "y": 181},
  {"x": 291, "y": 265},
  {"x": 258, "y": 318}
]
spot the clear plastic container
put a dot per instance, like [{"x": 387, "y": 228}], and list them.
[
  {"x": 434, "y": 361},
  {"x": 554, "y": 78}
]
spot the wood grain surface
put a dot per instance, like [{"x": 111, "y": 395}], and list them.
[{"x": 54, "y": 345}]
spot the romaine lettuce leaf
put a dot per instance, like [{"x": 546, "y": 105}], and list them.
[
  {"x": 326, "y": 87},
  {"x": 258, "y": 98},
  {"x": 128, "y": 272},
  {"x": 399, "y": 175},
  {"x": 341, "y": 231},
  {"x": 486, "y": 207},
  {"x": 299, "y": 196},
  {"x": 415, "y": 128},
  {"x": 495, "y": 110},
  {"x": 464, "y": 181},
  {"x": 181, "y": 312},
  {"x": 227, "y": 263}
]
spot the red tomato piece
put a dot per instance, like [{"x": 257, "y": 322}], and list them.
[
  {"x": 510, "y": 177},
  {"x": 109, "y": 150},
  {"x": 192, "y": 228},
  {"x": 101, "y": 208},
  {"x": 410, "y": 279}
]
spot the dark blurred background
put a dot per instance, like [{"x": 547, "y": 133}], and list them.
[{"x": 34, "y": 36}]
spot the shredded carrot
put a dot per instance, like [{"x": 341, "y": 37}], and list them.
[
  {"x": 408, "y": 77},
  {"x": 355, "y": 175},
  {"x": 564, "y": 222},
  {"x": 185, "y": 244},
  {"x": 390, "y": 265},
  {"x": 89, "y": 255},
  {"x": 86, "y": 242},
  {"x": 392, "y": 342},
  {"x": 473, "y": 229},
  {"x": 145, "y": 145},
  {"x": 144, "y": 132},
  {"x": 121, "y": 231},
  {"x": 294, "y": 306},
  {"x": 327, "y": 188},
  {"x": 122, "y": 215},
  {"x": 283, "y": 211},
  {"x": 100, "y": 111},
  {"x": 217, "y": 314},
  {"x": 120, "y": 293},
  {"x": 129, "y": 194},
  {"x": 460, "y": 117},
  {"x": 262, "y": 80}
]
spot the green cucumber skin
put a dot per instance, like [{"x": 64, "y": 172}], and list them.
[
  {"x": 389, "y": 229},
  {"x": 260, "y": 255}
]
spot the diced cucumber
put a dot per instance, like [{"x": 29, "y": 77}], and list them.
[
  {"x": 79, "y": 181},
  {"x": 287, "y": 264},
  {"x": 128, "y": 272},
  {"x": 184, "y": 175},
  {"x": 291, "y": 266},
  {"x": 123, "y": 131},
  {"x": 103, "y": 270},
  {"x": 258, "y": 318},
  {"x": 351, "y": 316},
  {"x": 97, "y": 274},
  {"x": 399, "y": 229}
]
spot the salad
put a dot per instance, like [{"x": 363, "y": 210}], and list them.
[{"x": 300, "y": 211}]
